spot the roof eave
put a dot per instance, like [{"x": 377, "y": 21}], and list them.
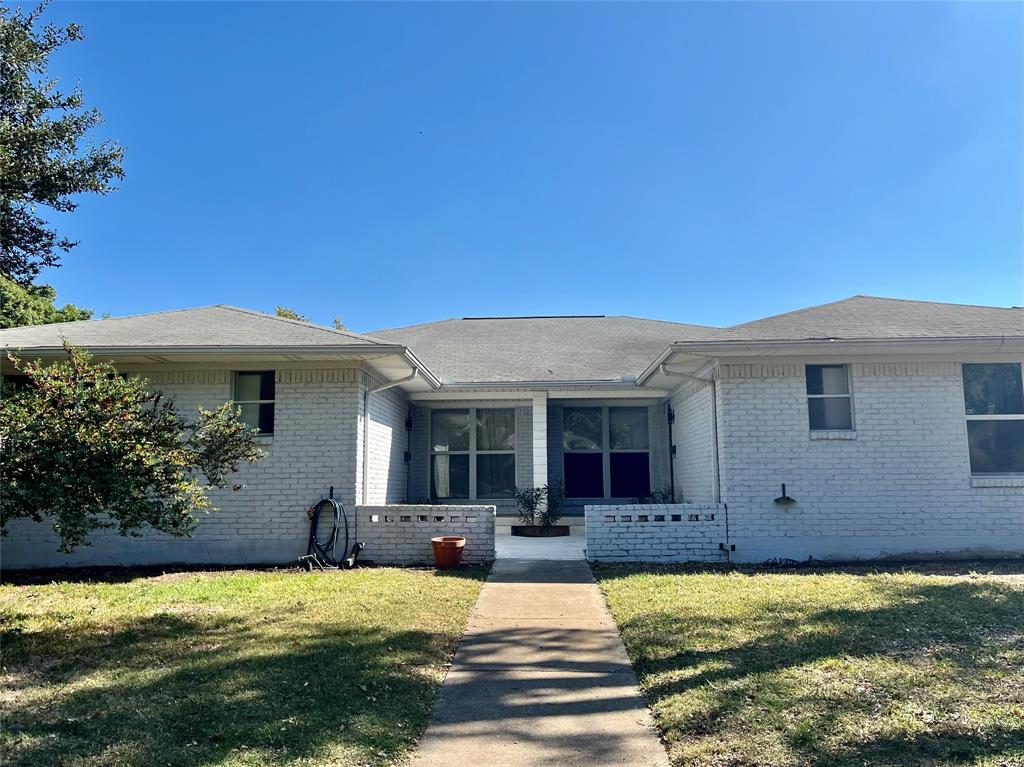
[{"x": 803, "y": 346}]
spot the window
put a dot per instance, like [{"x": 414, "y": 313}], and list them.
[
  {"x": 829, "y": 404},
  {"x": 254, "y": 394},
  {"x": 473, "y": 453},
  {"x": 606, "y": 452},
  {"x": 994, "y": 404}
]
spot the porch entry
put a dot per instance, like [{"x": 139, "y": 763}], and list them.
[{"x": 593, "y": 451}]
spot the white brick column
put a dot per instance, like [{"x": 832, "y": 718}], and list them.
[{"x": 540, "y": 439}]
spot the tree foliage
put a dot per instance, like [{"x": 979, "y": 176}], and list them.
[
  {"x": 290, "y": 314},
  {"x": 46, "y": 157},
  {"x": 34, "y": 305},
  {"x": 90, "y": 448}
]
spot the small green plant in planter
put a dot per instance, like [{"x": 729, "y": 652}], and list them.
[
  {"x": 539, "y": 509},
  {"x": 656, "y": 496}
]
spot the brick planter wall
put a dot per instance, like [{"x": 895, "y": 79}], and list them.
[
  {"x": 664, "y": 532},
  {"x": 399, "y": 534}
]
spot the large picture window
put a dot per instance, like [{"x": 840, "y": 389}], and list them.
[
  {"x": 606, "y": 452},
  {"x": 829, "y": 406},
  {"x": 473, "y": 453},
  {"x": 994, "y": 404},
  {"x": 254, "y": 395}
]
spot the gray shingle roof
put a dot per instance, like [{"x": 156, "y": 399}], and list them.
[
  {"x": 867, "y": 317},
  {"x": 209, "y": 326},
  {"x": 496, "y": 350}
]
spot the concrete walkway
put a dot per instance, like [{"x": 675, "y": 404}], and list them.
[{"x": 540, "y": 678}]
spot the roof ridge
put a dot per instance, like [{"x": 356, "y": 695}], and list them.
[
  {"x": 301, "y": 323},
  {"x": 120, "y": 317},
  {"x": 928, "y": 301},
  {"x": 416, "y": 325},
  {"x": 795, "y": 311},
  {"x": 666, "y": 322}
]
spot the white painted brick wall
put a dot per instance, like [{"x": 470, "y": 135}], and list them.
[
  {"x": 313, "y": 447},
  {"x": 389, "y": 440},
  {"x": 400, "y": 534},
  {"x": 901, "y": 487},
  {"x": 693, "y": 436},
  {"x": 669, "y": 532}
]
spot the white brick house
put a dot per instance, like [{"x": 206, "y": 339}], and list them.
[{"x": 860, "y": 407}]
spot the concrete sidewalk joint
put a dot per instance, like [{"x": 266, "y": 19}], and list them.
[{"x": 541, "y": 677}]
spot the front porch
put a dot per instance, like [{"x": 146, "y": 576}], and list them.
[{"x": 594, "y": 449}]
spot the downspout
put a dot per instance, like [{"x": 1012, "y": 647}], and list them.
[
  {"x": 366, "y": 425},
  {"x": 714, "y": 444}
]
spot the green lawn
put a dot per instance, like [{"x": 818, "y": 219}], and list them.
[
  {"x": 236, "y": 668},
  {"x": 828, "y": 667}
]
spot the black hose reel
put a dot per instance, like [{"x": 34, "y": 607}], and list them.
[{"x": 323, "y": 553}]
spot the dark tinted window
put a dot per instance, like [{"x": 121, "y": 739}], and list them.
[
  {"x": 631, "y": 475},
  {"x": 584, "y": 477},
  {"x": 997, "y": 447},
  {"x": 993, "y": 389}
]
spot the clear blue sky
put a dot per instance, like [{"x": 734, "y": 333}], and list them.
[{"x": 709, "y": 163}]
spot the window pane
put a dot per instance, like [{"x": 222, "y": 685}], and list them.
[
  {"x": 496, "y": 429},
  {"x": 250, "y": 415},
  {"x": 827, "y": 379},
  {"x": 495, "y": 476},
  {"x": 254, "y": 385},
  {"x": 631, "y": 475},
  {"x": 247, "y": 387},
  {"x": 993, "y": 389},
  {"x": 581, "y": 430},
  {"x": 449, "y": 429},
  {"x": 449, "y": 476},
  {"x": 997, "y": 447},
  {"x": 627, "y": 428},
  {"x": 258, "y": 416},
  {"x": 267, "y": 384},
  {"x": 266, "y": 418},
  {"x": 828, "y": 413},
  {"x": 584, "y": 476}
]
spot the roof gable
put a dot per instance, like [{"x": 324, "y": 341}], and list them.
[
  {"x": 205, "y": 327},
  {"x": 868, "y": 317}
]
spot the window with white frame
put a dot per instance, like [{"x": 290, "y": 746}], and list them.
[
  {"x": 254, "y": 395},
  {"x": 472, "y": 453},
  {"x": 606, "y": 452},
  {"x": 829, "y": 404},
  {"x": 994, "y": 404}
]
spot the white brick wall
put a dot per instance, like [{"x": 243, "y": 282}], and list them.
[
  {"x": 901, "y": 487},
  {"x": 387, "y": 472},
  {"x": 313, "y": 447},
  {"x": 670, "y": 532},
  {"x": 400, "y": 534},
  {"x": 693, "y": 436}
]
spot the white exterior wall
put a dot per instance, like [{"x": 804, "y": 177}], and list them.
[
  {"x": 693, "y": 436},
  {"x": 668, "y": 532},
  {"x": 400, "y": 535},
  {"x": 387, "y": 473},
  {"x": 314, "y": 446},
  {"x": 899, "y": 486}
]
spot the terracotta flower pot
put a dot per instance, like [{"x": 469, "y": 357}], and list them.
[{"x": 448, "y": 550}]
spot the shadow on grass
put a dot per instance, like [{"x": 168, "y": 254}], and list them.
[
  {"x": 733, "y": 671},
  {"x": 170, "y": 690}
]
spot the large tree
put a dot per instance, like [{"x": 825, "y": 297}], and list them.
[
  {"x": 46, "y": 155},
  {"x": 87, "y": 448},
  {"x": 34, "y": 305}
]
